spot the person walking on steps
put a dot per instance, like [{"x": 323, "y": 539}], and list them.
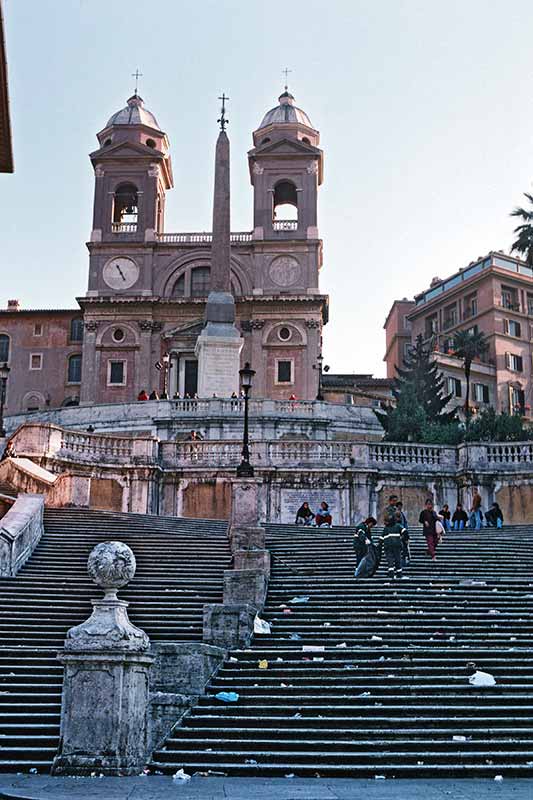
[
  {"x": 428, "y": 519},
  {"x": 476, "y": 514},
  {"x": 363, "y": 538},
  {"x": 460, "y": 518},
  {"x": 390, "y": 544}
]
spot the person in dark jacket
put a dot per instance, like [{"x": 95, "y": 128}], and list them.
[
  {"x": 460, "y": 518},
  {"x": 428, "y": 519},
  {"x": 390, "y": 543},
  {"x": 402, "y": 520},
  {"x": 494, "y": 516},
  {"x": 304, "y": 515},
  {"x": 362, "y": 538}
]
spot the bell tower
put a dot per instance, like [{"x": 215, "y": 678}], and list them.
[
  {"x": 286, "y": 169},
  {"x": 133, "y": 170}
]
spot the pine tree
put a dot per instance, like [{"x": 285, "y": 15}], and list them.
[{"x": 421, "y": 374}]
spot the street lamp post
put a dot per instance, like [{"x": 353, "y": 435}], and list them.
[
  {"x": 164, "y": 366},
  {"x": 4, "y": 374},
  {"x": 321, "y": 369},
  {"x": 245, "y": 469}
]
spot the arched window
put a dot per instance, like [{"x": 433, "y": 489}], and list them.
[
  {"x": 76, "y": 330},
  {"x": 200, "y": 282},
  {"x": 4, "y": 348},
  {"x": 74, "y": 368},
  {"x": 285, "y": 202},
  {"x": 126, "y": 205},
  {"x": 70, "y": 401},
  {"x": 305, "y": 140},
  {"x": 266, "y": 140},
  {"x": 33, "y": 402},
  {"x": 179, "y": 287}
]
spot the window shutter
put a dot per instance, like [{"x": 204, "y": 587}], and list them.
[
  {"x": 518, "y": 330},
  {"x": 506, "y": 326},
  {"x": 486, "y": 398},
  {"x": 519, "y": 363}
]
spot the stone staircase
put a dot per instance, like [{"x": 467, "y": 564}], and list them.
[
  {"x": 386, "y": 691},
  {"x": 179, "y": 568}
]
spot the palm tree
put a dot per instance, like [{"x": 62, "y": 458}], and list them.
[
  {"x": 524, "y": 241},
  {"x": 469, "y": 345}
]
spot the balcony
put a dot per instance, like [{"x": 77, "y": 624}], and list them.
[
  {"x": 202, "y": 237},
  {"x": 285, "y": 225},
  {"x": 124, "y": 227},
  {"x": 448, "y": 323},
  {"x": 509, "y": 303}
]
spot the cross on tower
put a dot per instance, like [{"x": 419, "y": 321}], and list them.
[
  {"x": 136, "y": 75},
  {"x": 223, "y": 121},
  {"x": 286, "y": 73}
]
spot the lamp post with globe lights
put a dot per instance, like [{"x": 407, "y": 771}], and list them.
[
  {"x": 245, "y": 469},
  {"x": 321, "y": 369}
]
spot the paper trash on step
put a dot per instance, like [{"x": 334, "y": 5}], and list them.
[
  {"x": 481, "y": 679},
  {"x": 261, "y": 625},
  {"x": 181, "y": 775}
]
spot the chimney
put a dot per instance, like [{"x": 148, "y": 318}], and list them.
[{"x": 13, "y": 305}]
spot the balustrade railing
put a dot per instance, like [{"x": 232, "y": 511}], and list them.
[
  {"x": 405, "y": 454},
  {"x": 124, "y": 227},
  {"x": 285, "y": 225},
  {"x": 120, "y": 447},
  {"x": 519, "y": 453},
  {"x": 201, "y": 237}
]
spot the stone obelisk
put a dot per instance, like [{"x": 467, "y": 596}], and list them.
[{"x": 219, "y": 345}]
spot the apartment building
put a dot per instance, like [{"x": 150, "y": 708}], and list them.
[{"x": 494, "y": 295}]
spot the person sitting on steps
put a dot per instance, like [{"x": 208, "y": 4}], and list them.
[
  {"x": 304, "y": 515},
  {"x": 322, "y": 516}
]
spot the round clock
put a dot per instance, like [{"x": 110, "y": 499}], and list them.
[{"x": 120, "y": 273}]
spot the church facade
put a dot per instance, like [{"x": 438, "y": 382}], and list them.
[{"x": 147, "y": 287}]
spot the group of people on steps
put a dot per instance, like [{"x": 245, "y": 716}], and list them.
[{"x": 393, "y": 542}]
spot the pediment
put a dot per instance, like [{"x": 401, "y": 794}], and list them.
[
  {"x": 286, "y": 147},
  {"x": 190, "y": 329},
  {"x": 126, "y": 150}
]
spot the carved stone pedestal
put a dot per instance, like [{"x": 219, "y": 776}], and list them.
[
  {"x": 106, "y": 680},
  {"x": 246, "y": 539}
]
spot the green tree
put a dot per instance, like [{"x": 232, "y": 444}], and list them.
[
  {"x": 469, "y": 345},
  {"x": 523, "y": 243},
  {"x": 421, "y": 374},
  {"x": 407, "y": 421}
]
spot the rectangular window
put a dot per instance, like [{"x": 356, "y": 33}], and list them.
[
  {"x": 38, "y": 329},
  {"x": 74, "y": 368},
  {"x": 481, "y": 393},
  {"x": 530, "y": 304},
  {"x": 36, "y": 361},
  {"x": 116, "y": 373},
  {"x": 514, "y": 362},
  {"x": 76, "y": 330},
  {"x": 454, "y": 387},
  {"x": 510, "y": 298},
  {"x": 406, "y": 323},
  {"x": 450, "y": 316},
  {"x": 284, "y": 372},
  {"x": 512, "y": 328},
  {"x": 470, "y": 306},
  {"x": 431, "y": 326}
]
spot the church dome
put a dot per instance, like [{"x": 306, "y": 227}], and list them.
[
  {"x": 134, "y": 114},
  {"x": 286, "y": 111}
]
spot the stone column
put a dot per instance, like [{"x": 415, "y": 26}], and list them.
[{"x": 106, "y": 680}]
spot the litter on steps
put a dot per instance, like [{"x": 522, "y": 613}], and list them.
[
  {"x": 480, "y": 678},
  {"x": 261, "y": 626}
]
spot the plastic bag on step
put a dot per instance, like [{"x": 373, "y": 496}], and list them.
[
  {"x": 480, "y": 678},
  {"x": 303, "y": 598},
  {"x": 181, "y": 775},
  {"x": 261, "y": 625},
  {"x": 227, "y": 697}
]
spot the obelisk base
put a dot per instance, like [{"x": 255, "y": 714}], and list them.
[{"x": 218, "y": 364}]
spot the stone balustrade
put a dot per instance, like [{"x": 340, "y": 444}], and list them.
[{"x": 202, "y": 237}]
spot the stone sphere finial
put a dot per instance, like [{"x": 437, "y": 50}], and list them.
[{"x": 111, "y": 565}]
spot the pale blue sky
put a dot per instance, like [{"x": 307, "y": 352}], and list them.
[{"x": 425, "y": 110}]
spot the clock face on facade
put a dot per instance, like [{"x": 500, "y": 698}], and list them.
[{"x": 120, "y": 273}]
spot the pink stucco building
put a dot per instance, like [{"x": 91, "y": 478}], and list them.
[
  {"x": 147, "y": 286},
  {"x": 494, "y": 295}
]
